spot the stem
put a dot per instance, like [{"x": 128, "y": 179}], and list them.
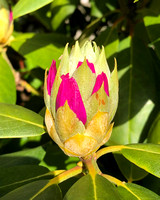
[
  {"x": 90, "y": 165},
  {"x": 113, "y": 180},
  {"x": 29, "y": 88},
  {"x": 4, "y": 54},
  {"x": 60, "y": 178},
  {"x": 108, "y": 150}
]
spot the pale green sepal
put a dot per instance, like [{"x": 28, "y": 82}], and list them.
[
  {"x": 96, "y": 49},
  {"x": 113, "y": 92},
  {"x": 85, "y": 80},
  {"x": 75, "y": 57},
  {"x": 46, "y": 96},
  {"x": 64, "y": 64},
  {"x": 88, "y": 52},
  {"x": 97, "y": 102},
  {"x": 54, "y": 92},
  {"x": 101, "y": 64}
]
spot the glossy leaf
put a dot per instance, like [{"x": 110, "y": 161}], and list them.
[
  {"x": 7, "y": 83},
  {"x": 88, "y": 188},
  {"x": 136, "y": 192},
  {"x": 39, "y": 49},
  {"x": 61, "y": 10},
  {"x": 29, "y": 190},
  {"x": 145, "y": 156},
  {"x": 154, "y": 132},
  {"x": 24, "y": 7},
  {"x": 136, "y": 91},
  {"x": 11, "y": 180},
  {"x": 26, "y": 157},
  {"x": 130, "y": 171},
  {"x": 16, "y": 122},
  {"x": 151, "y": 182},
  {"x": 152, "y": 24}
]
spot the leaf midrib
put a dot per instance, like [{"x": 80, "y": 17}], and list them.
[
  {"x": 136, "y": 149},
  {"x": 22, "y": 120}
]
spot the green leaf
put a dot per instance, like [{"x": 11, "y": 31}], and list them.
[
  {"x": 28, "y": 191},
  {"x": 26, "y": 157},
  {"x": 130, "y": 171},
  {"x": 136, "y": 192},
  {"x": 24, "y": 7},
  {"x": 100, "y": 8},
  {"x": 152, "y": 23},
  {"x": 61, "y": 10},
  {"x": 39, "y": 49},
  {"x": 136, "y": 91},
  {"x": 7, "y": 83},
  {"x": 17, "y": 122},
  {"x": 152, "y": 183},
  {"x": 88, "y": 188},
  {"x": 154, "y": 6},
  {"x": 154, "y": 132},
  {"x": 145, "y": 156},
  {"x": 11, "y": 180}
]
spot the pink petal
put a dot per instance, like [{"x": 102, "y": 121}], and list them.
[
  {"x": 69, "y": 91},
  {"x": 99, "y": 80},
  {"x": 10, "y": 16},
  {"x": 51, "y": 76},
  {"x": 90, "y": 65}
]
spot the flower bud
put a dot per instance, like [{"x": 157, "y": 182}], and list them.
[
  {"x": 6, "y": 23},
  {"x": 81, "y": 99}
]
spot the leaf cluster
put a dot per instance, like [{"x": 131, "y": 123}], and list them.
[{"x": 130, "y": 32}]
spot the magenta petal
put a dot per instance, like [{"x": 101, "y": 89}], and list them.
[
  {"x": 51, "y": 76},
  {"x": 99, "y": 80},
  {"x": 10, "y": 16},
  {"x": 79, "y": 64},
  {"x": 69, "y": 91},
  {"x": 90, "y": 65}
]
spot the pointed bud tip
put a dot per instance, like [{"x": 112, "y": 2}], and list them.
[{"x": 90, "y": 65}]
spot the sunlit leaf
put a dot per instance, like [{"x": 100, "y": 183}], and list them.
[
  {"x": 16, "y": 122},
  {"x": 154, "y": 133},
  {"x": 152, "y": 24},
  {"x": 136, "y": 91},
  {"x": 39, "y": 49},
  {"x": 136, "y": 192},
  {"x": 88, "y": 188},
  {"x": 146, "y": 156},
  {"x": 61, "y": 10},
  {"x": 7, "y": 83},
  {"x": 24, "y": 7}
]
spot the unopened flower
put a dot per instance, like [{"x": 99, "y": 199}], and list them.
[
  {"x": 81, "y": 99},
  {"x": 6, "y": 22}
]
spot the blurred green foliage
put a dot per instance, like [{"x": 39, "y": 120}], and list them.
[{"x": 130, "y": 32}]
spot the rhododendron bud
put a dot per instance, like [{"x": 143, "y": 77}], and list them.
[
  {"x": 81, "y": 99},
  {"x": 6, "y": 22}
]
